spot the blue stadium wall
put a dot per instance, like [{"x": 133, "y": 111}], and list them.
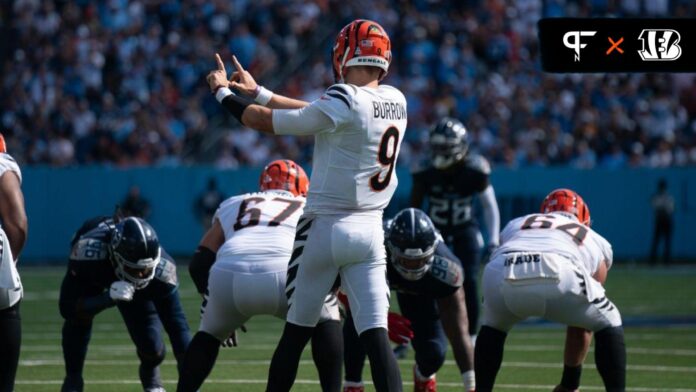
[{"x": 58, "y": 200}]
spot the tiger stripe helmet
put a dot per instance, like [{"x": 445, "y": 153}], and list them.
[
  {"x": 566, "y": 200},
  {"x": 361, "y": 42},
  {"x": 284, "y": 174}
]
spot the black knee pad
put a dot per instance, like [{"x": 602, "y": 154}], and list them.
[
  {"x": 430, "y": 357},
  {"x": 151, "y": 358},
  {"x": 610, "y": 358}
]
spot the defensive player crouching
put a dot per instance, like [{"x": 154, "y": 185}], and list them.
[
  {"x": 553, "y": 265},
  {"x": 427, "y": 278},
  {"x": 121, "y": 263}
]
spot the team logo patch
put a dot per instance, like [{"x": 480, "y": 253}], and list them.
[{"x": 660, "y": 45}]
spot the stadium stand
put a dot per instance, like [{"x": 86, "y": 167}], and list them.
[{"x": 120, "y": 82}]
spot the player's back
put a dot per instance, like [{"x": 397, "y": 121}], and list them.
[
  {"x": 354, "y": 163},
  {"x": 556, "y": 233},
  {"x": 259, "y": 230}
]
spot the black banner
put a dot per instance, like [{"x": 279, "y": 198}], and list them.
[{"x": 617, "y": 45}]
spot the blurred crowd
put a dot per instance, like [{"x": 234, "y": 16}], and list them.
[{"x": 122, "y": 82}]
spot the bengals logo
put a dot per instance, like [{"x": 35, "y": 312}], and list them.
[{"x": 660, "y": 45}]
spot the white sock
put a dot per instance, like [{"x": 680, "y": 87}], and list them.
[
  {"x": 421, "y": 377},
  {"x": 352, "y": 384},
  {"x": 469, "y": 380}
]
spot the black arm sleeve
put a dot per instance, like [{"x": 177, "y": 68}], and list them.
[
  {"x": 199, "y": 268},
  {"x": 236, "y": 105}
]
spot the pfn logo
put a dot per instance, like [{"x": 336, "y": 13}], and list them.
[
  {"x": 662, "y": 45},
  {"x": 576, "y": 45}
]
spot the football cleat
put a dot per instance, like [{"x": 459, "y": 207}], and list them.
[
  {"x": 361, "y": 42},
  {"x": 350, "y": 386},
  {"x": 566, "y": 200},
  {"x": 422, "y": 384},
  {"x": 284, "y": 174}
]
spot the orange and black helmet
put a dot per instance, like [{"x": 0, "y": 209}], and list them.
[
  {"x": 286, "y": 175},
  {"x": 566, "y": 200},
  {"x": 361, "y": 42}
]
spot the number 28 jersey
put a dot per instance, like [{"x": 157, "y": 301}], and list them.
[
  {"x": 355, "y": 156},
  {"x": 259, "y": 230},
  {"x": 559, "y": 234}
]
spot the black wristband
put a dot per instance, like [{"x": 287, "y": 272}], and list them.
[
  {"x": 236, "y": 105},
  {"x": 571, "y": 377},
  {"x": 199, "y": 268}
]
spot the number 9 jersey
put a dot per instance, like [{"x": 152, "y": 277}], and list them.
[{"x": 357, "y": 137}]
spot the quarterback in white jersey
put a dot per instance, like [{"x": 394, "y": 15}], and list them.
[
  {"x": 13, "y": 233},
  {"x": 553, "y": 265},
  {"x": 358, "y": 126},
  {"x": 253, "y": 235}
]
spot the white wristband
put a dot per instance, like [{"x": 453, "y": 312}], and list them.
[
  {"x": 222, "y": 93},
  {"x": 264, "y": 96}
]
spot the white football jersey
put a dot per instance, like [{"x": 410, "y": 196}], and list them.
[
  {"x": 354, "y": 159},
  {"x": 556, "y": 233},
  {"x": 8, "y": 163},
  {"x": 259, "y": 229}
]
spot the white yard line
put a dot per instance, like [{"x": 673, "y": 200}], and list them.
[{"x": 316, "y": 382}]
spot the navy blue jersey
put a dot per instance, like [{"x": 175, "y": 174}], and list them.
[
  {"x": 443, "y": 278},
  {"x": 449, "y": 193},
  {"x": 90, "y": 264}
]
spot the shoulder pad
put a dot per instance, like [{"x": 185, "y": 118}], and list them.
[
  {"x": 7, "y": 163},
  {"x": 343, "y": 92},
  {"x": 446, "y": 271},
  {"x": 478, "y": 163},
  {"x": 166, "y": 269},
  {"x": 89, "y": 248}
]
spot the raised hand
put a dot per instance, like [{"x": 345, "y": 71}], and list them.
[
  {"x": 242, "y": 80},
  {"x": 217, "y": 78}
]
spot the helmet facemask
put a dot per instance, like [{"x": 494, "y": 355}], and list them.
[
  {"x": 412, "y": 264},
  {"x": 139, "y": 273},
  {"x": 446, "y": 154}
]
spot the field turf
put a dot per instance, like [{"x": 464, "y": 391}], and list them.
[{"x": 659, "y": 306}]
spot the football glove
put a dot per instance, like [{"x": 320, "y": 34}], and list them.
[
  {"x": 399, "y": 327},
  {"x": 121, "y": 291},
  {"x": 231, "y": 340}
]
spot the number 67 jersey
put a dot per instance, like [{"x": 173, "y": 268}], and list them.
[
  {"x": 259, "y": 230},
  {"x": 355, "y": 147}
]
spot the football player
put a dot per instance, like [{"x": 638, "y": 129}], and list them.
[
  {"x": 121, "y": 263},
  {"x": 553, "y": 265},
  {"x": 427, "y": 278},
  {"x": 358, "y": 125},
  {"x": 13, "y": 233},
  {"x": 252, "y": 235},
  {"x": 449, "y": 184}
]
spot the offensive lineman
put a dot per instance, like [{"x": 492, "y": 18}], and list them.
[
  {"x": 553, "y": 265},
  {"x": 252, "y": 235},
  {"x": 427, "y": 278},
  {"x": 121, "y": 264},
  {"x": 449, "y": 184},
  {"x": 358, "y": 126},
  {"x": 13, "y": 234}
]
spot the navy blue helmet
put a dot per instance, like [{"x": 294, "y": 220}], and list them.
[
  {"x": 412, "y": 239},
  {"x": 448, "y": 142},
  {"x": 135, "y": 251}
]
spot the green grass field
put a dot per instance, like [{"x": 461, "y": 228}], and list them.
[{"x": 660, "y": 358}]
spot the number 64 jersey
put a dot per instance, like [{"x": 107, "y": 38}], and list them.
[
  {"x": 259, "y": 230},
  {"x": 556, "y": 233}
]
